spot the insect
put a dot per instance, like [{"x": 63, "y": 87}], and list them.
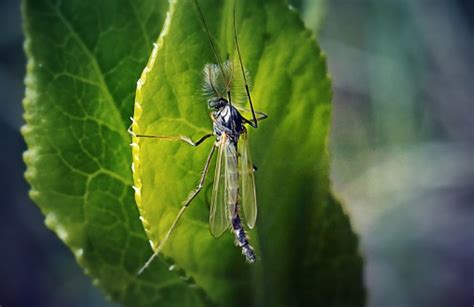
[{"x": 226, "y": 86}]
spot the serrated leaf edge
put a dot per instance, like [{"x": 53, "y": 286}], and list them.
[
  {"x": 136, "y": 163},
  {"x": 138, "y": 109},
  {"x": 51, "y": 220}
]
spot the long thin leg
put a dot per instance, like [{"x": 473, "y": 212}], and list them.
[
  {"x": 185, "y": 205},
  {"x": 261, "y": 116},
  {"x": 183, "y": 138}
]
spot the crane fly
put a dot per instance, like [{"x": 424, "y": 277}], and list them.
[{"x": 226, "y": 89}]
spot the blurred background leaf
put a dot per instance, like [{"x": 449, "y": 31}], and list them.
[{"x": 402, "y": 143}]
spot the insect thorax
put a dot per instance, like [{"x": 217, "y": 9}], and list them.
[{"x": 227, "y": 119}]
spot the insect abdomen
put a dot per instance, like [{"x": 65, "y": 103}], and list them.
[{"x": 241, "y": 238}]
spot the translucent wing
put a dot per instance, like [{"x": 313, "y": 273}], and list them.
[
  {"x": 218, "y": 215},
  {"x": 249, "y": 195}
]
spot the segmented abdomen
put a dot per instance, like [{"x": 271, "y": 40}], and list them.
[{"x": 232, "y": 182}]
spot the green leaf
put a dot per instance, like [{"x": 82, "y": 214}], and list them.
[
  {"x": 308, "y": 252},
  {"x": 84, "y": 58}
]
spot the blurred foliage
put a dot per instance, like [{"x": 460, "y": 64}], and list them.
[
  {"x": 313, "y": 13},
  {"x": 401, "y": 143}
]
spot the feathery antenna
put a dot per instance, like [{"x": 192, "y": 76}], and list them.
[
  {"x": 243, "y": 71},
  {"x": 213, "y": 47},
  {"x": 214, "y": 50}
]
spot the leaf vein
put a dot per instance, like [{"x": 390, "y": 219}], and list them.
[{"x": 115, "y": 113}]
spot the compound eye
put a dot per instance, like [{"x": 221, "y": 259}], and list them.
[
  {"x": 216, "y": 103},
  {"x": 222, "y": 102},
  {"x": 212, "y": 103}
]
